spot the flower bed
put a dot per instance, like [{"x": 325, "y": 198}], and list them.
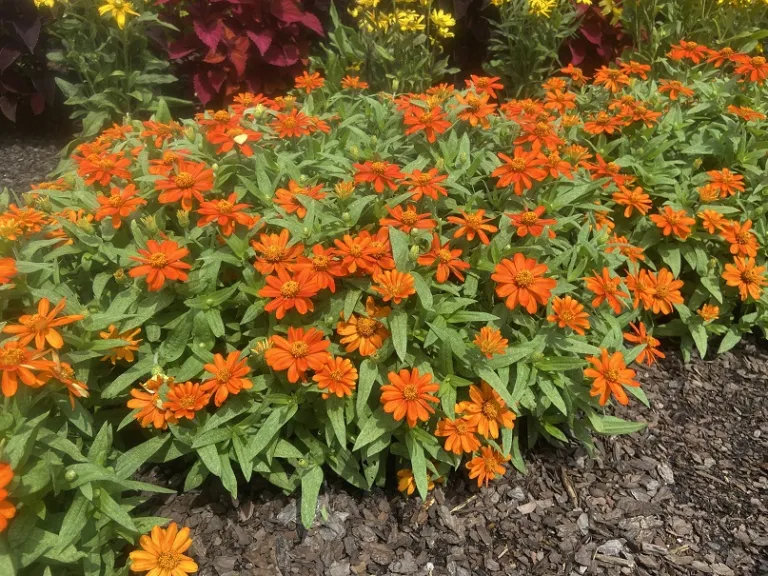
[{"x": 333, "y": 280}]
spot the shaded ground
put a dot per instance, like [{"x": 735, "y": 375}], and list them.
[{"x": 25, "y": 161}]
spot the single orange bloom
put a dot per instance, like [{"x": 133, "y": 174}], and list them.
[
  {"x": 475, "y": 109},
  {"x": 560, "y": 100},
  {"x": 161, "y": 262},
  {"x": 606, "y": 288},
  {"x": 487, "y": 466},
  {"x": 338, "y": 376},
  {"x": 746, "y": 113},
  {"x": 576, "y": 74},
  {"x": 408, "y": 395},
  {"x": 720, "y": 57},
  {"x": 441, "y": 91},
  {"x": 665, "y": 292},
  {"x": 726, "y": 182},
  {"x": 540, "y": 134},
  {"x": 228, "y": 376},
  {"x": 579, "y": 155},
  {"x": 41, "y": 327},
  {"x": 636, "y": 68},
  {"x": 746, "y": 276},
  {"x": 432, "y": 122},
  {"x": 603, "y": 169},
  {"x": 226, "y": 213},
  {"x": 119, "y": 204},
  {"x": 274, "y": 252},
  {"x": 688, "y": 50},
  {"x": 603, "y": 123},
  {"x": 521, "y": 281},
  {"x": 217, "y": 119},
  {"x": 289, "y": 292},
  {"x": 353, "y": 83},
  {"x": 639, "y": 335},
  {"x": 7, "y": 510},
  {"x": 324, "y": 267},
  {"x": 742, "y": 240},
  {"x": 641, "y": 288},
  {"x": 558, "y": 167},
  {"x": 284, "y": 103},
  {"x": 300, "y": 352},
  {"x": 633, "y": 200},
  {"x": 185, "y": 400},
  {"x": 675, "y": 222},
  {"x": 486, "y": 411},
  {"x": 425, "y": 184},
  {"x": 394, "y": 285},
  {"x": 641, "y": 113},
  {"x": 612, "y": 78},
  {"x": 379, "y": 249},
  {"x": 610, "y": 375},
  {"x": 102, "y": 168},
  {"x": 473, "y": 224},
  {"x": 151, "y": 408},
  {"x": 294, "y": 124},
  {"x": 356, "y": 254},
  {"x": 521, "y": 170},
  {"x": 160, "y": 132},
  {"x": 459, "y": 435},
  {"x": 712, "y": 221},
  {"x": 65, "y": 374},
  {"x": 754, "y": 69},
  {"x": 286, "y": 198},
  {"x": 364, "y": 333},
  {"x": 554, "y": 83},
  {"x": 490, "y": 341},
  {"x": 484, "y": 84},
  {"x": 675, "y": 89},
  {"x": 407, "y": 220},
  {"x": 20, "y": 363},
  {"x": 708, "y": 193},
  {"x": 227, "y": 138},
  {"x": 164, "y": 165},
  {"x": 380, "y": 174},
  {"x": 406, "y": 482},
  {"x": 531, "y": 222},
  {"x": 309, "y": 82},
  {"x": 162, "y": 552},
  {"x": 191, "y": 180},
  {"x": 709, "y": 312},
  {"x": 568, "y": 312},
  {"x": 634, "y": 253},
  {"x": 124, "y": 352},
  {"x": 448, "y": 261}
]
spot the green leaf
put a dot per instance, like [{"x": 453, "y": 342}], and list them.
[
  {"x": 493, "y": 380},
  {"x": 638, "y": 393},
  {"x": 74, "y": 521},
  {"x": 418, "y": 465},
  {"x": 400, "y": 248},
  {"x": 228, "y": 479},
  {"x": 270, "y": 427},
  {"x": 215, "y": 323},
  {"x": 7, "y": 566},
  {"x": 196, "y": 476},
  {"x": 137, "y": 456},
  {"x": 368, "y": 374},
  {"x": 555, "y": 432},
  {"x": 176, "y": 342},
  {"x": 122, "y": 382},
  {"x": 552, "y": 393},
  {"x": 114, "y": 511},
  {"x": 671, "y": 257},
  {"x": 350, "y": 301},
  {"x": 612, "y": 424},
  {"x": 311, "y": 481},
  {"x": 398, "y": 326},
  {"x": 374, "y": 428},
  {"x": 699, "y": 334},
  {"x": 20, "y": 445},
  {"x": 422, "y": 290},
  {"x": 210, "y": 457},
  {"x": 335, "y": 409},
  {"x": 464, "y": 316},
  {"x": 713, "y": 287},
  {"x": 731, "y": 338}
]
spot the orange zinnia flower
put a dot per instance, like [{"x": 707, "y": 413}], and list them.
[
  {"x": 356, "y": 254},
  {"x": 475, "y": 109},
  {"x": 448, "y": 261},
  {"x": 292, "y": 125},
  {"x": 380, "y": 174},
  {"x": 473, "y": 224},
  {"x": 408, "y": 395},
  {"x": 425, "y": 184},
  {"x": 286, "y": 198},
  {"x": 185, "y": 400},
  {"x": 531, "y": 222},
  {"x": 338, "y": 376},
  {"x": 742, "y": 240},
  {"x": 120, "y": 204},
  {"x": 726, "y": 182},
  {"x": 634, "y": 253},
  {"x": 484, "y": 84},
  {"x": 309, "y": 82},
  {"x": 64, "y": 373},
  {"x": 151, "y": 409},
  {"x": 7, "y": 510},
  {"x": 521, "y": 281},
  {"x": 226, "y": 138},
  {"x": 486, "y": 466},
  {"x": 633, "y": 200},
  {"x": 353, "y": 83},
  {"x": 603, "y": 123},
  {"x": 690, "y": 50},
  {"x": 41, "y": 326},
  {"x": 432, "y": 122},
  {"x": 245, "y": 100},
  {"x": 675, "y": 89},
  {"x": 274, "y": 252},
  {"x": 407, "y": 220},
  {"x": 162, "y": 552},
  {"x": 521, "y": 170},
  {"x": 226, "y": 213},
  {"x": 709, "y": 312},
  {"x": 164, "y": 166},
  {"x": 490, "y": 341},
  {"x": 160, "y": 132},
  {"x": 712, "y": 221},
  {"x": 641, "y": 113},
  {"x": 746, "y": 276},
  {"x": 406, "y": 482},
  {"x": 639, "y": 335},
  {"x": 161, "y": 262},
  {"x": 380, "y": 250},
  {"x": 606, "y": 288},
  {"x": 746, "y": 113},
  {"x": 103, "y": 168},
  {"x": 665, "y": 292},
  {"x": 393, "y": 285},
  {"x": 610, "y": 374},
  {"x": 558, "y": 167},
  {"x": 324, "y": 267},
  {"x": 754, "y": 69},
  {"x": 576, "y": 74},
  {"x": 675, "y": 222},
  {"x": 459, "y": 435},
  {"x": 708, "y": 193},
  {"x": 191, "y": 180},
  {"x": 486, "y": 411},
  {"x": 539, "y": 134},
  {"x": 560, "y": 101},
  {"x": 228, "y": 376},
  {"x": 364, "y": 333},
  {"x": 20, "y": 363},
  {"x": 612, "y": 78},
  {"x": 124, "y": 352},
  {"x": 568, "y": 312},
  {"x": 298, "y": 353},
  {"x": 636, "y": 68},
  {"x": 289, "y": 292},
  {"x": 720, "y": 57}
]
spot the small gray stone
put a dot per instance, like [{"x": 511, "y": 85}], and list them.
[
  {"x": 405, "y": 565},
  {"x": 722, "y": 570},
  {"x": 224, "y": 564},
  {"x": 611, "y": 548},
  {"x": 665, "y": 473},
  {"x": 340, "y": 569}
]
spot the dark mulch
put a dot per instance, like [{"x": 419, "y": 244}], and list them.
[
  {"x": 25, "y": 160},
  {"x": 686, "y": 496}
]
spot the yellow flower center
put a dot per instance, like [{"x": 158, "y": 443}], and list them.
[
  {"x": 409, "y": 218},
  {"x": 377, "y": 249},
  {"x": 423, "y": 179},
  {"x": 158, "y": 260},
  {"x": 223, "y": 376},
  {"x": 524, "y": 278},
  {"x": 166, "y": 560},
  {"x": 289, "y": 289},
  {"x": 473, "y": 102},
  {"x": 169, "y": 158},
  {"x": 482, "y": 82},
  {"x": 613, "y": 73},
  {"x": 221, "y": 116},
  {"x": 542, "y": 129},
  {"x": 299, "y": 349},
  {"x": 490, "y": 409},
  {"x": 612, "y": 375},
  {"x": 187, "y": 401},
  {"x": 461, "y": 427},
  {"x": 115, "y": 201},
  {"x": 290, "y": 122},
  {"x": 473, "y": 220},
  {"x": 34, "y": 321},
  {"x": 320, "y": 262},
  {"x": 355, "y": 250},
  {"x": 662, "y": 291},
  {"x": 410, "y": 392},
  {"x": 567, "y": 316},
  {"x": 336, "y": 376},
  {"x": 426, "y": 118},
  {"x": 184, "y": 180},
  {"x": 105, "y": 164},
  {"x": 378, "y": 168},
  {"x": 742, "y": 237},
  {"x": 273, "y": 254},
  {"x": 529, "y": 218},
  {"x": 445, "y": 256},
  {"x": 12, "y": 357},
  {"x": 366, "y": 327},
  {"x": 490, "y": 464},
  {"x": 758, "y": 61},
  {"x": 749, "y": 276},
  {"x": 224, "y": 206},
  {"x": 517, "y": 165}
]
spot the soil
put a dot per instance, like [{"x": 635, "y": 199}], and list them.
[{"x": 25, "y": 160}]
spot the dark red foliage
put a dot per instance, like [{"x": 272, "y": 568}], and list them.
[
  {"x": 227, "y": 46},
  {"x": 24, "y": 79},
  {"x": 597, "y": 42}
]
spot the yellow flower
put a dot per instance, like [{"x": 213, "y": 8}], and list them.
[
  {"x": 162, "y": 552},
  {"x": 445, "y": 33},
  {"x": 441, "y": 19},
  {"x": 499, "y": 2},
  {"x": 410, "y": 21},
  {"x": 119, "y": 9},
  {"x": 49, "y": 3},
  {"x": 585, "y": 2},
  {"x": 541, "y": 7},
  {"x": 368, "y": 3}
]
